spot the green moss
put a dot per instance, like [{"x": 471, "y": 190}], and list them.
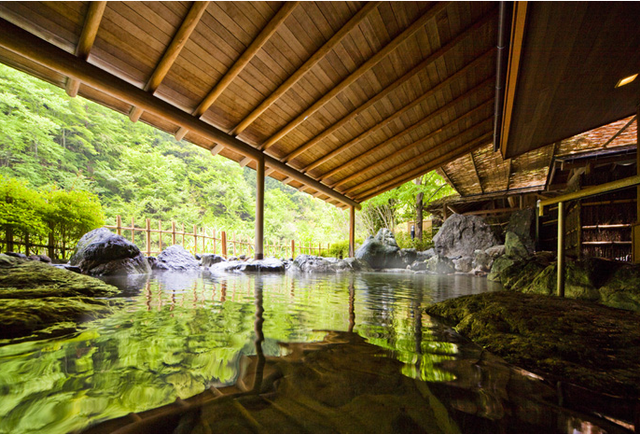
[{"x": 584, "y": 343}]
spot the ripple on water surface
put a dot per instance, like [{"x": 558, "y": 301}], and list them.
[{"x": 180, "y": 334}]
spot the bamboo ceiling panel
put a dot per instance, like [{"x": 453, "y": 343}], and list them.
[{"x": 344, "y": 100}]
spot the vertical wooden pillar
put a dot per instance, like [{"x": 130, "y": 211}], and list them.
[
  {"x": 223, "y": 241},
  {"x": 259, "y": 238},
  {"x": 537, "y": 240},
  {"x": 560, "y": 249},
  {"x": 173, "y": 233},
  {"x": 118, "y": 225},
  {"x": 195, "y": 239},
  {"x": 293, "y": 249},
  {"x": 352, "y": 231},
  {"x": 635, "y": 229},
  {"x": 148, "y": 234}
]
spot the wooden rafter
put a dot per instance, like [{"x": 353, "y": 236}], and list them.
[
  {"x": 420, "y": 123},
  {"x": 620, "y": 131},
  {"x": 449, "y": 180},
  {"x": 173, "y": 51},
  {"x": 285, "y": 10},
  {"x": 482, "y": 126},
  {"x": 475, "y": 169},
  {"x": 364, "y": 68},
  {"x": 551, "y": 165},
  {"x": 87, "y": 38},
  {"x": 393, "y": 86},
  {"x": 306, "y": 67},
  {"x": 431, "y": 165}
]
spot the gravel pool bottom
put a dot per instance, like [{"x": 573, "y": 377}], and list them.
[{"x": 316, "y": 353}]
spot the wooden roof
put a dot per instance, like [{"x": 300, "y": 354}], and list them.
[
  {"x": 485, "y": 173},
  {"x": 565, "y": 59},
  {"x": 344, "y": 100}
]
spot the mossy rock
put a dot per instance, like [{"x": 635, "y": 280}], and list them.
[
  {"x": 38, "y": 300},
  {"x": 587, "y": 344},
  {"x": 578, "y": 282},
  {"x": 622, "y": 290},
  {"x": 499, "y": 265}
]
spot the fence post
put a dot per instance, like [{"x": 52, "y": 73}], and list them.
[
  {"x": 118, "y": 225},
  {"x": 148, "y": 237},
  {"x": 195, "y": 240},
  {"x": 173, "y": 233},
  {"x": 214, "y": 241},
  {"x": 293, "y": 249},
  {"x": 160, "y": 235},
  {"x": 133, "y": 230},
  {"x": 224, "y": 243}
]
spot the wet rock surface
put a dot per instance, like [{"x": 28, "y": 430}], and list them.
[
  {"x": 267, "y": 265},
  {"x": 382, "y": 251},
  {"x": 103, "y": 253},
  {"x": 38, "y": 300},
  {"x": 175, "y": 258},
  {"x": 587, "y": 344}
]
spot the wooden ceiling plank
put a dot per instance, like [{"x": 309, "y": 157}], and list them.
[
  {"x": 509, "y": 167},
  {"x": 475, "y": 169},
  {"x": 396, "y": 84},
  {"x": 244, "y": 59},
  {"x": 453, "y": 155},
  {"x": 395, "y": 116},
  {"x": 411, "y": 146},
  {"x": 173, "y": 51},
  {"x": 87, "y": 38},
  {"x": 35, "y": 49},
  {"x": 306, "y": 67},
  {"x": 364, "y": 68},
  {"x": 430, "y": 117}
]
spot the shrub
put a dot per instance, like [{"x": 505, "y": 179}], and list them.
[{"x": 405, "y": 242}]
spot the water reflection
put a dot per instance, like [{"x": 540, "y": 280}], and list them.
[{"x": 182, "y": 334}]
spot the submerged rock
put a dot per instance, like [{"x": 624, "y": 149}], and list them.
[
  {"x": 42, "y": 300},
  {"x": 103, "y": 253},
  {"x": 175, "y": 258},
  {"x": 462, "y": 235},
  {"x": 579, "y": 342}
]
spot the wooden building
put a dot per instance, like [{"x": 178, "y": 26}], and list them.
[{"x": 344, "y": 100}]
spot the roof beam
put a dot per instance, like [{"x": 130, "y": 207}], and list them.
[
  {"x": 173, "y": 51},
  {"x": 364, "y": 68},
  {"x": 449, "y": 180},
  {"x": 87, "y": 38},
  {"x": 285, "y": 10},
  {"x": 420, "y": 155},
  {"x": 393, "y": 86},
  {"x": 428, "y": 118},
  {"x": 475, "y": 169},
  {"x": 622, "y": 130},
  {"x": 306, "y": 67},
  {"x": 31, "y": 47},
  {"x": 450, "y": 156}
]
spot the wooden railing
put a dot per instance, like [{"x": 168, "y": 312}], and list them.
[{"x": 205, "y": 240}]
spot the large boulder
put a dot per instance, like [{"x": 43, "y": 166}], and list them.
[
  {"x": 312, "y": 264},
  {"x": 462, "y": 235},
  {"x": 514, "y": 247},
  {"x": 103, "y": 253},
  {"x": 176, "y": 258},
  {"x": 440, "y": 264},
  {"x": 382, "y": 251},
  {"x": 208, "y": 260},
  {"x": 522, "y": 223}
]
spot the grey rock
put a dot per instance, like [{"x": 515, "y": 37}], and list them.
[
  {"x": 499, "y": 264},
  {"x": 419, "y": 266},
  {"x": 103, "y": 253},
  {"x": 514, "y": 247},
  {"x": 16, "y": 255},
  {"x": 351, "y": 264},
  {"x": 208, "y": 260},
  {"x": 495, "y": 251},
  {"x": 312, "y": 264},
  {"x": 440, "y": 264},
  {"x": 267, "y": 265},
  {"x": 381, "y": 251},
  {"x": 462, "y": 235},
  {"x": 464, "y": 264},
  {"x": 425, "y": 255},
  {"x": 175, "y": 258},
  {"x": 482, "y": 261},
  {"x": 41, "y": 258},
  {"x": 522, "y": 223}
]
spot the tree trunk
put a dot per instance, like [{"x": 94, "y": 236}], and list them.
[{"x": 419, "y": 217}]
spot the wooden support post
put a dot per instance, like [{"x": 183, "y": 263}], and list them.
[
  {"x": 195, "y": 239},
  {"x": 173, "y": 232},
  {"x": 133, "y": 230},
  {"x": 224, "y": 243},
  {"x": 537, "y": 240},
  {"x": 635, "y": 230},
  {"x": 148, "y": 236},
  {"x": 352, "y": 231},
  {"x": 293, "y": 249},
  {"x": 118, "y": 225},
  {"x": 160, "y": 235},
  {"x": 259, "y": 237},
  {"x": 560, "y": 249}
]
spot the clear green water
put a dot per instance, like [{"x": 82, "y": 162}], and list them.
[{"x": 180, "y": 333}]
